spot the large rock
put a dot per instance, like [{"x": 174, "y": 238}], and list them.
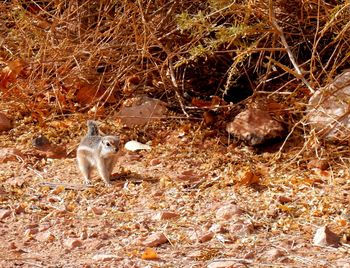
[
  {"x": 329, "y": 109},
  {"x": 255, "y": 127},
  {"x": 141, "y": 110},
  {"x": 325, "y": 237}
]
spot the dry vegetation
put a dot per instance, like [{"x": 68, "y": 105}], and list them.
[{"x": 63, "y": 62}]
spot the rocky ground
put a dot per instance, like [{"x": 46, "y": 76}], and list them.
[{"x": 194, "y": 200}]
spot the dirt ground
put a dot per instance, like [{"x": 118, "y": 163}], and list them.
[{"x": 192, "y": 201}]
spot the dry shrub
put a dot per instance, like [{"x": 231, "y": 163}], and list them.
[
  {"x": 93, "y": 49},
  {"x": 89, "y": 50},
  {"x": 241, "y": 35}
]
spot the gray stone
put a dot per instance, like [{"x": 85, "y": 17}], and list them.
[{"x": 328, "y": 112}]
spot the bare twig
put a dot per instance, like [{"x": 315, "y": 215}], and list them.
[
  {"x": 65, "y": 185},
  {"x": 298, "y": 74},
  {"x": 173, "y": 80}
]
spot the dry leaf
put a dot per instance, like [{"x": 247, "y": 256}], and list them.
[
  {"x": 209, "y": 117},
  {"x": 58, "y": 189},
  {"x": 131, "y": 84},
  {"x": 285, "y": 208},
  {"x": 10, "y": 72},
  {"x": 214, "y": 102},
  {"x": 149, "y": 254},
  {"x": 87, "y": 93},
  {"x": 166, "y": 215},
  {"x": 200, "y": 103},
  {"x": 248, "y": 178}
]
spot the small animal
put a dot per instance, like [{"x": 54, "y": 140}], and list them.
[{"x": 99, "y": 152}]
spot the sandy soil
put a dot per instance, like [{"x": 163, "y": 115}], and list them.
[{"x": 216, "y": 205}]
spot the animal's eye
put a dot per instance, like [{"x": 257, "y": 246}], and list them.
[{"x": 108, "y": 144}]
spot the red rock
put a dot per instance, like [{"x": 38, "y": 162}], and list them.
[
  {"x": 72, "y": 243},
  {"x": 45, "y": 236},
  {"x": 97, "y": 210},
  {"x": 325, "y": 237},
  {"x": 32, "y": 225},
  {"x": 44, "y": 226},
  {"x": 104, "y": 236},
  {"x": 218, "y": 228},
  {"x": 155, "y": 240},
  {"x": 154, "y": 162},
  {"x": 100, "y": 245},
  {"x": 250, "y": 255},
  {"x": 141, "y": 110},
  {"x": 344, "y": 263},
  {"x": 4, "y": 213},
  {"x": 93, "y": 234},
  {"x": 225, "y": 264},
  {"x": 2, "y": 191},
  {"x": 31, "y": 231},
  {"x": 227, "y": 212},
  {"x": 131, "y": 156},
  {"x": 44, "y": 148},
  {"x": 5, "y": 123},
  {"x": 284, "y": 199},
  {"x": 167, "y": 215},
  {"x": 226, "y": 239},
  {"x": 189, "y": 175},
  {"x": 241, "y": 228},
  {"x": 206, "y": 237},
  {"x": 20, "y": 208},
  {"x": 53, "y": 199},
  {"x": 274, "y": 254},
  {"x": 12, "y": 245},
  {"x": 104, "y": 257},
  {"x": 159, "y": 193},
  {"x": 84, "y": 235},
  {"x": 255, "y": 127}
]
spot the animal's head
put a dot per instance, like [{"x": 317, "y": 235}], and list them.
[{"x": 110, "y": 145}]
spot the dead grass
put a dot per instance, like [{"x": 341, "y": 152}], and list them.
[{"x": 104, "y": 44}]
